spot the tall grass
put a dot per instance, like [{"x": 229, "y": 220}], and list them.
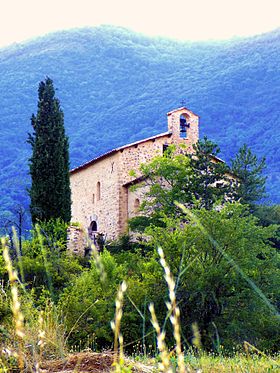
[
  {"x": 33, "y": 335},
  {"x": 37, "y": 336},
  {"x": 116, "y": 327},
  {"x": 15, "y": 307}
]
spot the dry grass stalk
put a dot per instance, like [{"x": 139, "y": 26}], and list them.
[
  {"x": 164, "y": 355},
  {"x": 121, "y": 353},
  {"x": 53, "y": 331},
  {"x": 116, "y": 325},
  {"x": 41, "y": 332},
  {"x": 174, "y": 310},
  {"x": 98, "y": 263},
  {"x": 196, "y": 341},
  {"x": 41, "y": 341},
  {"x": 15, "y": 305}
]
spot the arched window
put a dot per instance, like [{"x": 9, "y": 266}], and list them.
[
  {"x": 183, "y": 126},
  {"x": 93, "y": 226},
  {"x": 136, "y": 205},
  {"x": 98, "y": 192}
]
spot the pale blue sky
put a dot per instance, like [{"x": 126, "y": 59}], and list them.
[{"x": 180, "y": 19}]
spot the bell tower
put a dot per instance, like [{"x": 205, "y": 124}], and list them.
[{"x": 183, "y": 124}]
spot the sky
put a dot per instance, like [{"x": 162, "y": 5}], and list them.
[{"x": 178, "y": 19}]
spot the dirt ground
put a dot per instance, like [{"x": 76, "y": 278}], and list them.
[{"x": 86, "y": 362}]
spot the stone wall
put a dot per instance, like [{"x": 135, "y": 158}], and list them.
[
  {"x": 86, "y": 206},
  {"x": 135, "y": 198},
  {"x": 117, "y": 202},
  {"x": 132, "y": 156},
  {"x": 76, "y": 240}
]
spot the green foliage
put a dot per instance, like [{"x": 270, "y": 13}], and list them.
[
  {"x": 168, "y": 179},
  {"x": 221, "y": 258},
  {"x": 88, "y": 303},
  {"x": 215, "y": 268},
  {"x": 54, "y": 233},
  {"x": 268, "y": 215},
  {"x": 45, "y": 263},
  {"x": 49, "y": 164},
  {"x": 140, "y": 223},
  {"x": 252, "y": 360},
  {"x": 85, "y": 304},
  {"x": 2, "y": 263},
  {"x": 209, "y": 183},
  {"x": 249, "y": 169},
  {"x": 123, "y": 244},
  {"x": 228, "y": 264},
  {"x": 198, "y": 180},
  {"x": 5, "y": 314}
]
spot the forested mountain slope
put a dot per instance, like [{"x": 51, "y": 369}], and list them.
[{"x": 116, "y": 86}]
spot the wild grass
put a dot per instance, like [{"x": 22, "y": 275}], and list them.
[
  {"x": 239, "y": 363},
  {"x": 116, "y": 327},
  {"x": 39, "y": 335},
  {"x": 16, "y": 310},
  {"x": 33, "y": 335}
]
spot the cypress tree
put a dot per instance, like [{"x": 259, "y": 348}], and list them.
[{"x": 49, "y": 164}]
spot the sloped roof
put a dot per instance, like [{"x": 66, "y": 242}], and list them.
[
  {"x": 113, "y": 151},
  {"x": 181, "y": 108}
]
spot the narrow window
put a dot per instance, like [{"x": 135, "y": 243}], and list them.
[
  {"x": 164, "y": 148},
  {"x": 98, "y": 193},
  {"x": 136, "y": 205},
  {"x": 93, "y": 198}
]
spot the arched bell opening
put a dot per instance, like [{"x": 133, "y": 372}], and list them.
[{"x": 184, "y": 125}]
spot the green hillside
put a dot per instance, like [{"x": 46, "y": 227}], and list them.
[{"x": 116, "y": 86}]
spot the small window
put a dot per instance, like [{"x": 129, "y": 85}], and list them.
[
  {"x": 93, "y": 198},
  {"x": 136, "y": 205},
  {"x": 98, "y": 191},
  {"x": 164, "y": 148}
]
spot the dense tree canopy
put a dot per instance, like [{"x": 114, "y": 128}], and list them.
[
  {"x": 223, "y": 260},
  {"x": 49, "y": 164},
  {"x": 209, "y": 181},
  {"x": 198, "y": 180},
  {"x": 247, "y": 167},
  {"x": 220, "y": 254}
]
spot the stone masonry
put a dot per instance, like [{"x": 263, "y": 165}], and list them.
[{"x": 102, "y": 200}]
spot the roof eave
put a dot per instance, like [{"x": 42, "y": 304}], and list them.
[{"x": 113, "y": 151}]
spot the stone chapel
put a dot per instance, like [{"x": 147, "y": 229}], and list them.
[{"x": 102, "y": 200}]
